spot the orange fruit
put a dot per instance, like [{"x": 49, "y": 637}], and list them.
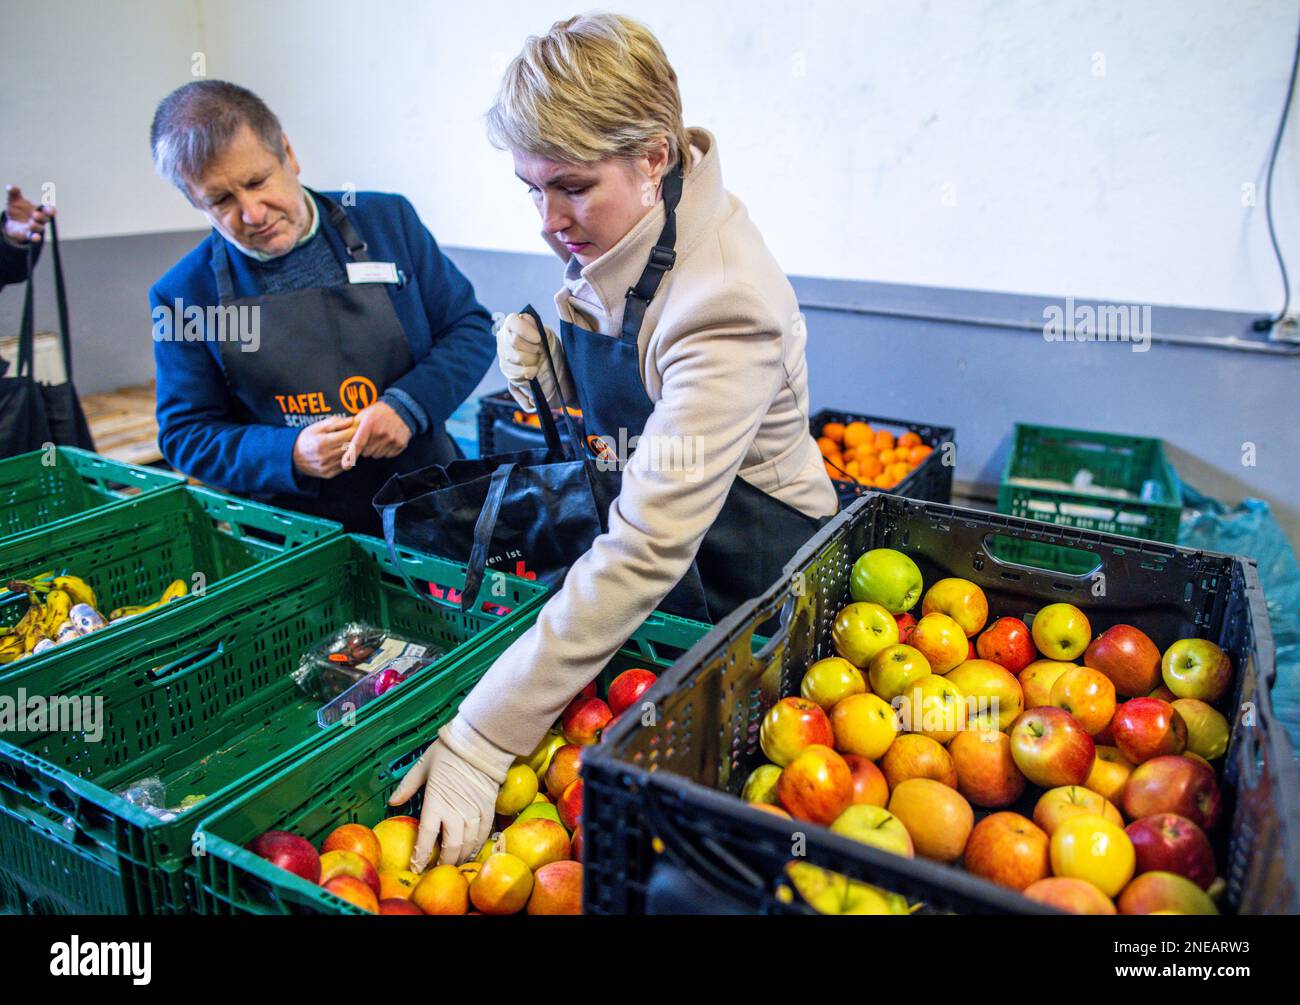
[
  {"x": 851, "y": 469},
  {"x": 828, "y": 447},
  {"x": 909, "y": 440},
  {"x": 851, "y": 454},
  {"x": 856, "y": 434},
  {"x": 835, "y": 431},
  {"x": 918, "y": 454},
  {"x": 870, "y": 466},
  {"x": 833, "y": 472},
  {"x": 882, "y": 481},
  {"x": 887, "y": 457},
  {"x": 899, "y": 471},
  {"x": 884, "y": 440}
]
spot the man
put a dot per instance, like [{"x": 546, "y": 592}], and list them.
[
  {"x": 22, "y": 223},
  {"x": 314, "y": 343}
]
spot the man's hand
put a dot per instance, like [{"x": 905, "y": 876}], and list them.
[
  {"x": 24, "y": 220},
  {"x": 380, "y": 432},
  {"x": 318, "y": 451}
]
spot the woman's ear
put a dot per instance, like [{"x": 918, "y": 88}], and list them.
[{"x": 657, "y": 160}]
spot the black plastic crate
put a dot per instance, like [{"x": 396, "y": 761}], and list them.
[
  {"x": 665, "y": 829},
  {"x": 502, "y": 429},
  {"x": 932, "y": 479}
]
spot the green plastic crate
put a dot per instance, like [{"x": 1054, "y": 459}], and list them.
[
  {"x": 1143, "y": 498},
  {"x": 221, "y": 712},
  {"x": 130, "y": 552},
  {"x": 41, "y": 487},
  {"x": 350, "y": 779}
]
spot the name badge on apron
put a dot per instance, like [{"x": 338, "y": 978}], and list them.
[{"x": 373, "y": 272}]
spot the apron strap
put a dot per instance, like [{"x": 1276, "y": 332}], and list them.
[
  {"x": 662, "y": 258},
  {"x": 483, "y": 529}
]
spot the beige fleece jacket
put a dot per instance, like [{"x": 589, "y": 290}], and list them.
[{"x": 722, "y": 358}]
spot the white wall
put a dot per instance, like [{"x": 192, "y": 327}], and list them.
[{"x": 850, "y": 129}]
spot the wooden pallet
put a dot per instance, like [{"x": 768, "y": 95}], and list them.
[{"x": 123, "y": 423}]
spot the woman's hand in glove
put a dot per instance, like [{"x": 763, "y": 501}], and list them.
[
  {"x": 461, "y": 773},
  {"x": 519, "y": 351}
]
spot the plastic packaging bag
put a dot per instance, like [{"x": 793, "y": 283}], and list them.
[{"x": 150, "y": 795}]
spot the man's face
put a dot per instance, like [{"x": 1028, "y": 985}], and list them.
[{"x": 251, "y": 197}]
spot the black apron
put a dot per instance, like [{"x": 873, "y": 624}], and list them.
[
  {"x": 746, "y": 549},
  {"x": 324, "y": 352}
]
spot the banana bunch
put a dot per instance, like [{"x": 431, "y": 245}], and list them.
[
  {"x": 175, "y": 590},
  {"x": 59, "y": 608}
]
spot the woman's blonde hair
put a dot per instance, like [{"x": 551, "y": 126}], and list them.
[{"x": 594, "y": 86}]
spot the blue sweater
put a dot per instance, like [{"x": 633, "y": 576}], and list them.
[{"x": 448, "y": 330}]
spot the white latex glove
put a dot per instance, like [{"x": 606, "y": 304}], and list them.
[
  {"x": 461, "y": 773},
  {"x": 519, "y": 351}
]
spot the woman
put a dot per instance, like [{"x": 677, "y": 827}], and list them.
[{"x": 677, "y": 326}]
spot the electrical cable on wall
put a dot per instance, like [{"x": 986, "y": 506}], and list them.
[{"x": 1264, "y": 324}]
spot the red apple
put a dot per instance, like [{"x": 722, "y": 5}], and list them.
[
  {"x": 589, "y": 691},
  {"x": 569, "y": 804},
  {"x": 1128, "y": 657},
  {"x": 986, "y": 772},
  {"x": 557, "y": 889},
  {"x": 1050, "y": 747},
  {"x": 575, "y": 845},
  {"x": 1088, "y": 695},
  {"x": 349, "y": 863},
  {"x": 1196, "y": 668},
  {"x": 289, "y": 852},
  {"x": 584, "y": 719},
  {"x": 791, "y": 725},
  {"x": 627, "y": 688},
  {"x": 354, "y": 891},
  {"x": 869, "y": 785},
  {"x": 817, "y": 785},
  {"x": 906, "y": 623},
  {"x": 1007, "y": 643},
  {"x": 355, "y": 837},
  {"x": 565, "y": 766},
  {"x": 398, "y": 905},
  {"x": 1075, "y": 896},
  {"x": 1148, "y": 727},
  {"x": 1167, "y": 842},
  {"x": 1008, "y": 849},
  {"x": 1173, "y": 784}
]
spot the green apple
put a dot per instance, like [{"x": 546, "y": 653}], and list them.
[
  {"x": 1061, "y": 631},
  {"x": 876, "y": 826},
  {"x": 1207, "y": 729},
  {"x": 861, "y": 630},
  {"x": 1196, "y": 668},
  {"x": 894, "y": 668},
  {"x": 830, "y": 893},
  {"x": 829, "y": 680},
  {"x": 886, "y": 577},
  {"x": 545, "y": 810},
  {"x": 760, "y": 786}
]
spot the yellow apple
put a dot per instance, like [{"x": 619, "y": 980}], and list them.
[
  {"x": 1061, "y": 631},
  {"x": 1038, "y": 679},
  {"x": 444, "y": 889},
  {"x": 1096, "y": 850},
  {"x": 1055, "y": 806},
  {"x": 864, "y": 724},
  {"x": 894, "y": 668},
  {"x": 1109, "y": 772},
  {"x": 993, "y": 695},
  {"x": 961, "y": 600},
  {"x": 830, "y": 680},
  {"x": 517, "y": 791},
  {"x": 933, "y": 706}
]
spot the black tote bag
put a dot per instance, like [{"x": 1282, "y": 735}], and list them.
[
  {"x": 531, "y": 513},
  {"x": 34, "y": 414}
]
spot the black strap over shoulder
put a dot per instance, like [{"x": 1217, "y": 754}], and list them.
[
  {"x": 663, "y": 257},
  {"x": 27, "y": 333}
]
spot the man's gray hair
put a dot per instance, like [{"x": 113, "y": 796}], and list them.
[{"x": 196, "y": 122}]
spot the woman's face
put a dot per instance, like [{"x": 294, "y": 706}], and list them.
[{"x": 589, "y": 208}]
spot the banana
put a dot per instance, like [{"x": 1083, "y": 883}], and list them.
[
  {"x": 58, "y": 605},
  {"x": 77, "y": 588},
  {"x": 175, "y": 590}
]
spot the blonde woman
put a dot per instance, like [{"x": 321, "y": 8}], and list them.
[{"x": 678, "y": 327}]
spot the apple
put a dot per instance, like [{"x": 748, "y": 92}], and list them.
[
  {"x": 1007, "y": 642},
  {"x": 536, "y": 842},
  {"x": 1008, "y": 849},
  {"x": 1086, "y": 694},
  {"x": 1164, "y": 694},
  {"x": 912, "y": 755},
  {"x": 626, "y": 689},
  {"x": 1109, "y": 773},
  {"x": 961, "y": 600},
  {"x": 1174, "y": 784},
  {"x": 1148, "y": 727},
  {"x": 1055, "y": 806},
  {"x": 869, "y": 785},
  {"x": 569, "y": 805},
  {"x": 517, "y": 791},
  {"x": 934, "y": 707},
  {"x": 1050, "y": 747},
  {"x": 1207, "y": 729},
  {"x": 353, "y": 890},
  {"x": 894, "y": 668},
  {"x": 1196, "y": 668},
  {"x": 864, "y": 724},
  {"x": 566, "y": 765},
  {"x": 876, "y": 826},
  {"x": 557, "y": 889},
  {"x": 986, "y": 772},
  {"x": 1166, "y": 842},
  {"x": 906, "y": 623},
  {"x": 937, "y": 817},
  {"x": 886, "y": 577},
  {"x": 398, "y": 884},
  {"x": 470, "y": 870},
  {"x": 760, "y": 786},
  {"x": 442, "y": 890},
  {"x": 791, "y": 725},
  {"x": 349, "y": 863},
  {"x": 830, "y": 680},
  {"x": 1128, "y": 657},
  {"x": 831, "y": 893},
  {"x": 1093, "y": 849},
  {"x": 540, "y": 759},
  {"x": 861, "y": 630},
  {"x": 1038, "y": 679},
  {"x": 584, "y": 719},
  {"x": 817, "y": 785},
  {"x": 503, "y": 885},
  {"x": 288, "y": 851},
  {"x": 775, "y": 811},
  {"x": 398, "y": 905},
  {"x": 941, "y": 641},
  {"x": 993, "y": 695},
  {"x": 1074, "y": 896},
  {"x": 544, "y": 811},
  {"x": 396, "y": 842},
  {"x": 1165, "y": 893},
  {"x": 1061, "y": 631},
  {"x": 575, "y": 845}
]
